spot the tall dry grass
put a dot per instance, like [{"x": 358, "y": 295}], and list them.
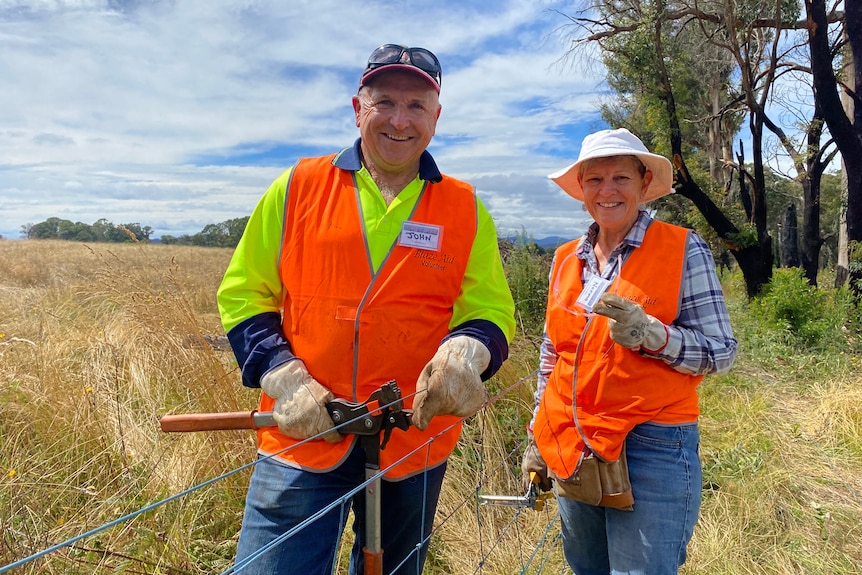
[{"x": 98, "y": 341}]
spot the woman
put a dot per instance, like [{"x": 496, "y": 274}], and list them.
[{"x": 635, "y": 319}]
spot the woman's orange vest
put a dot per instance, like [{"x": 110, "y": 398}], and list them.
[
  {"x": 617, "y": 388},
  {"x": 356, "y": 330}
]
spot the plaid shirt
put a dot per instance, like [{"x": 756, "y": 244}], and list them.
[{"x": 700, "y": 340}]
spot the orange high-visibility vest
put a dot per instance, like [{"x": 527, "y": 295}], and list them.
[
  {"x": 617, "y": 388},
  {"x": 354, "y": 329}
]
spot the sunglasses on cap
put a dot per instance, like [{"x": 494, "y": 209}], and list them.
[{"x": 421, "y": 58}]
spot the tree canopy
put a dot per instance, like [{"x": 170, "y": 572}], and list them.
[
  {"x": 224, "y": 235},
  {"x": 100, "y": 231}
]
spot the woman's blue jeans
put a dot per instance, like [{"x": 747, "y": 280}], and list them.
[
  {"x": 666, "y": 478},
  {"x": 280, "y": 498}
]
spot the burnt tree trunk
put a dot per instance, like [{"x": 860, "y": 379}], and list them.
[
  {"x": 756, "y": 270},
  {"x": 744, "y": 196},
  {"x": 790, "y": 238},
  {"x": 758, "y": 198},
  {"x": 812, "y": 241}
]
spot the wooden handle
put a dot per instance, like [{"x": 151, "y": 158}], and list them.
[
  {"x": 373, "y": 561},
  {"x": 215, "y": 421}
]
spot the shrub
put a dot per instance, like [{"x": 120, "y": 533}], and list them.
[{"x": 798, "y": 314}]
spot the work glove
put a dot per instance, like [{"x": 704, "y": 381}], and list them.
[
  {"x": 533, "y": 462},
  {"x": 300, "y": 402},
  {"x": 451, "y": 383},
  {"x": 630, "y": 325}
]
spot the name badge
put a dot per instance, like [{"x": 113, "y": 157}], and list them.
[
  {"x": 591, "y": 293},
  {"x": 423, "y": 236}
]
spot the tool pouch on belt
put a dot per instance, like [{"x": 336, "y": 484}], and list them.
[{"x": 600, "y": 483}]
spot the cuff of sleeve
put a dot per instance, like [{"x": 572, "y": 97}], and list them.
[
  {"x": 659, "y": 349},
  {"x": 671, "y": 348},
  {"x": 491, "y": 336},
  {"x": 259, "y": 345}
]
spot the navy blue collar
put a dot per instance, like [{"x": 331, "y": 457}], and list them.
[{"x": 351, "y": 159}]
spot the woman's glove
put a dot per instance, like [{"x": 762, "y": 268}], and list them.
[
  {"x": 630, "y": 325},
  {"x": 451, "y": 383},
  {"x": 300, "y": 402},
  {"x": 533, "y": 462}
]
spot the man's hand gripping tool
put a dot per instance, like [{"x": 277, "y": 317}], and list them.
[{"x": 381, "y": 411}]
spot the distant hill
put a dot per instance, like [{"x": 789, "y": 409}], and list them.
[
  {"x": 548, "y": 243},
  {"x": 551, "y": 242}
]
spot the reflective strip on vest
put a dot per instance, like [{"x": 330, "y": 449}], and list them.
[
  {"x": 617, "y": 388},
  {"x": 356, "y": 330}
]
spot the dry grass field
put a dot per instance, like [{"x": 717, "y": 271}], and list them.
[{"x": 99, "y": 341}]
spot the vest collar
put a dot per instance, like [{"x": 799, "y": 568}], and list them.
[{"x": 351, "y": 159}]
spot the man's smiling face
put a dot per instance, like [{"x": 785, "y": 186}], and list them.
[{"x": 396, "y": 114}]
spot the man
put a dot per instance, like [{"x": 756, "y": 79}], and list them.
[{"x": 355, "y": 269}]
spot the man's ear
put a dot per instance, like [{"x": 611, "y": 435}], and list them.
[{"x": 357, "y": 107}]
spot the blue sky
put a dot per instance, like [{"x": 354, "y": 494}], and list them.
[{"x": 177, "y": 114}]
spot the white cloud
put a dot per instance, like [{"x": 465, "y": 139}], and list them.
[{"x": 111, "y": 109}]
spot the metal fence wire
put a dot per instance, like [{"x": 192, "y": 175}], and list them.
[{"x": 498, "y": 520}]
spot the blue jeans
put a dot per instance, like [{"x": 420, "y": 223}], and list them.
[
  {"x": 280, "y": 498},
  {"x": 666, "y": 478}
]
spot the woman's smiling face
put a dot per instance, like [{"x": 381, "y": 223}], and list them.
[{"x": 613, "y": 188}]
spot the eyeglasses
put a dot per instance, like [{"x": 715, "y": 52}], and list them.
[{"x": 420, "y": 58}]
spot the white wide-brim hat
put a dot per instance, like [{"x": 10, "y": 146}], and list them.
[{"x": 619, "y": 142}]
